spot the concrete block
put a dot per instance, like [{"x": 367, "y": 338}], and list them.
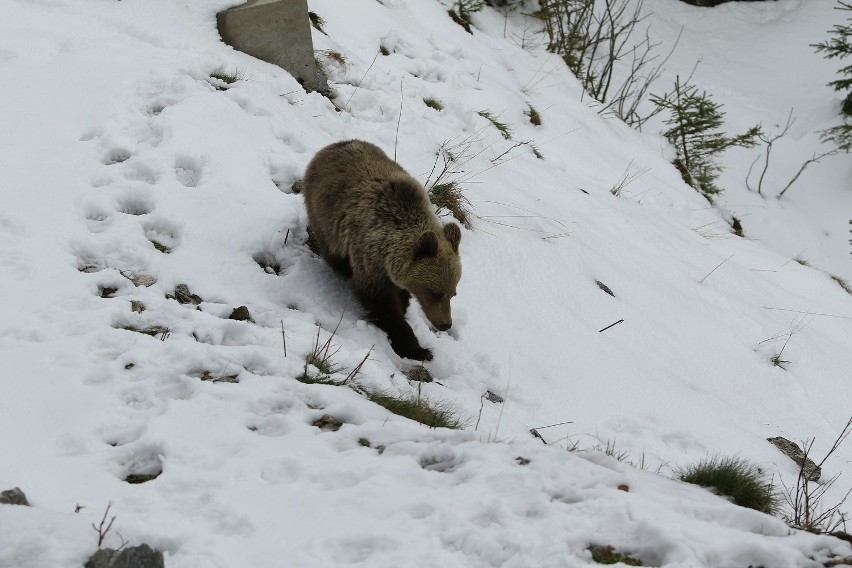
[{"x": 276, "y": 31}]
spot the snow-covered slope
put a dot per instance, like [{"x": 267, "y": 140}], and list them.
[
  {"x": 116, "y": 138},
  {"x": 756, "y": 58}
]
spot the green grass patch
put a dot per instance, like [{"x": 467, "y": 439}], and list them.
[
  {"x": 533, "y": 115},
  {"x": 435, "y": 414},
  {"x": 608, "y": 555},
  {"x": 434, "y": 103},
  {"x": 461, "y": 19},
  {"x": 501, "y": 127},
  {"x": 778, "y": 361},
  {"x": 222, "y": 79},
  {"x": 736, "y": 479}
]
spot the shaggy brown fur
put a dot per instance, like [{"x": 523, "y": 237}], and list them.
[{"x": 371, "y": 220}]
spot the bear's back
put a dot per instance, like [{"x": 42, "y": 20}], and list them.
[{"x": 353, "y": 187}]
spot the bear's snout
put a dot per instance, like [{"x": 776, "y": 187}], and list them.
[{"x": 445, "y": 326}]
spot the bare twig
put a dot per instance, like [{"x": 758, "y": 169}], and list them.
[
  {"x": 714, "y": 270},
  {"x": 809, "y": 313},
  {"x": 814, "y": 159},
  {"x": 283, "y": 338},
  {"x": 611, "y": 325},
  {"x": 769, "y": 142},
  {"x": 552, "y": 425},
  {"x": 479, "y": 416},
  {"x": 358, "y": 86},
  {"x": 100, "y": 528},
  {"x": 505, "y": 400},
  {"x": 806, "y": 500},
  {"x": 355, "y": 371},
  {"x": 399, "y": 118}
]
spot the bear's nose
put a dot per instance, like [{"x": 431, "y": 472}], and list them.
[{"x": 445, "y": 326}]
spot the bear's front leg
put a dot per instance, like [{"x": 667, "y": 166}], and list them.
[{"x": 385, "y": 309}]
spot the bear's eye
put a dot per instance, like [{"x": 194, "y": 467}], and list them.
[{"x": 435, "y": 296}]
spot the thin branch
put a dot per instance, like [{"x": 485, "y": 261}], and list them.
[{"x": 714, "y": 270}]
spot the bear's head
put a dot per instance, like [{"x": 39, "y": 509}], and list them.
[{"x": 434, "y": 272}]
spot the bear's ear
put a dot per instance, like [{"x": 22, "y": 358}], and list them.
[
  {"x": 453, "y": 234},
  {"x": 427, "y": 245}
]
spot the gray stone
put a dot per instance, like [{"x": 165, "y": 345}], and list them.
[
  {"x": 143, "y": 280},
  {"x": 811, "y": 471},
  {"x": 142, "y": 556},
  {"x": 493, "y": 397},
  {"x": 241, "y": 314},
  {"x": 276, "y": 31},
  {"x": 184, "y": 296},
  {"x": 14, "y": 497}
]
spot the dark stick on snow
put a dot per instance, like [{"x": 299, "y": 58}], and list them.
[
  {"x": 557, "y": 424},
  {"x": 714, "y": 270},
  {"x": 610, "y": 325},
  {"x": 399, "y": 119},
  {"x": 283, "y": 338}
]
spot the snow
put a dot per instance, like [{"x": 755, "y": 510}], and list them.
[{"x": 116, "y": 137}]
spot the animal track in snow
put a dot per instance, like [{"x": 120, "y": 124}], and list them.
[
  {"x": 116, "y": 156},
  {"x": 135, "y": 202},
  {"x": 90, "y": 134},
  {"x": 249, "y": 105},
  {"x": 443, "y": 459},
  {"x": 284, "y": 173},
  {"x": 292, "y": 141},
  {"x": 270, "y": 262},
  {"x": 97, "y": 218},
  {"x": 162, "y": 233},
  {"x": 123, "y": 432},
  {"x": 96, "y": 255},
  {"x": 139, "y": 459},
  {"x": 141, "y": 172},
  {"x": 188, "y": 170}
]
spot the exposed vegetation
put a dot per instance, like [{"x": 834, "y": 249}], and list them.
[
  {"x": 694, "y": 130},
  {"x": 435, "y": 414},
  {"x": 445, "y": 190},
  {"x": 321, "y": 359},
  {"x": 535, "y": 118},
  {"x": 433, "y": 103},
  {"x": 608, "y": 555},
  {"x": 597, "y": 38},
  {"x": 839, "y": 46},
  {"x": 805, "y": 499},
  {"x": 768, "y": 143},
  {"x": 317, "y": 22},
  {"x": 736, "y": 479},
  {"x": 448, "y": 196},
  {"x": 501, "y": 127},
  {"x": 842, "y": 282},
  {"x": 222, "y": 79},
  {"x": 461, "y": 11}
]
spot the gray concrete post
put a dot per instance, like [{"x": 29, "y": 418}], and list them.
[{"x": 276, "y": 31}]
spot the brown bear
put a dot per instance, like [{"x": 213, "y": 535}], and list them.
[{"x": 371, "y": 221}]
